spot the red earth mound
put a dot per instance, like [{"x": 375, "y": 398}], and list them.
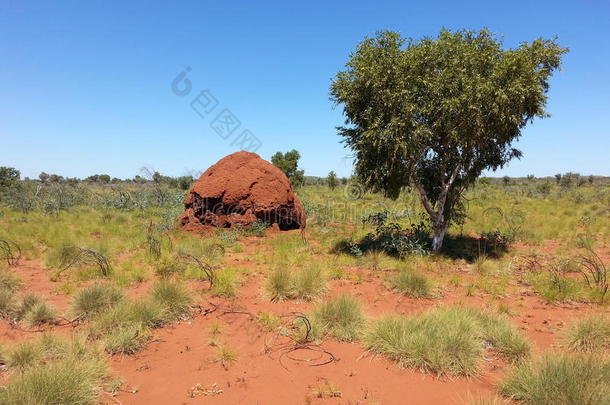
[{"x": 238, "y": 190}]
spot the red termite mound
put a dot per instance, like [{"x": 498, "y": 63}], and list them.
[{"x": 238, "y": 190}]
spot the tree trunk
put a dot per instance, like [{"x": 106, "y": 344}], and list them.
[{"x": 437, "y": 237}]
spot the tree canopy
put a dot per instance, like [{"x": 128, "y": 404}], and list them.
[
  {"x": 289, "y": 163},
  {"x": 433, "y": 113}
]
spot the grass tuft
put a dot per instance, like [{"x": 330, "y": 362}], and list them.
[
  {"x": 447, "y": 340},
  {"x": 412, "y": 284},
  {"x": 560, "y": 379},
  {"x": 309, "y": 283},
  {"x": 589, "y": 334},
  {"x": 342, "y": 318},
  {"x": 94, "y": 299},
  {"x": 174, "y": 296},
  {"x": 279, "y": 284}
]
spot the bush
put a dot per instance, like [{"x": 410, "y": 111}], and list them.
[
  {"x": 412, "y": 284},
  {"x": 40, "y": 313},
  {"x": 70, "y": 382},
  {"x": 560, "y": 379},
  {"x": 94, "y": 299},
  {"x": 7, "y": 303},
  {"x": 174, "y": 296},
  {"x": 225, "y": 283},
  {"x": 51, "y": 370},
  {"x": 342, "y": 318},
  {"x": 23, "y": 355},
  {"x": 309, "y": 283},
  {"x": 445, "y": 341},
  {"x": 168, "y": 267},
  {"x": 589, "y": 334},
  {"x": 279, "y": 284},
  {"x": 127, "y": 339}
]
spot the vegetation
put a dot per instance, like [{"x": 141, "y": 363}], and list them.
[
  {"x": 445, "y": 341},
  {"x": 412, "y": 117},
  {"x": 54, "y": 371},
  {"x": 342, "y": 318},
  {"x": 589, "y": 334},
  {"x": 412, "y": 284},
  {"x": 560, "y": 379},
  {"x": 288, "y": 163}
]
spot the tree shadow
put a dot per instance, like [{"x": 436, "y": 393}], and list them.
[
  {"x": 470, "y": 248},
  {"x": 454, "y": 246}
]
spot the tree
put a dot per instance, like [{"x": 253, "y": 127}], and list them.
[
  {"x": 558, "y": 178},
  {"x": 8, "y": 177},
  {"x": 331, "y": 180},
  {"x": 433, "y": 114},
  {"x": 288, "y": 163},
  {"x": 44, "y": 177}
]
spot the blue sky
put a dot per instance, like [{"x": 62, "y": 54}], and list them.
[{"x": 86, "y": 85}]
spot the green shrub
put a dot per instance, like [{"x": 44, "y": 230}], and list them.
[
  {"x": 69, "y": 382},
  {"x": 7, "y": 303},
  {"x": 23, "y": 355},
  {"x": 446, "y": 340},
  {"x": 94, "y": 299},
  {"x": 174, "y": 296},
  {"x": 589, "y": 334},
  {"x": 342, "y": 318},
  {"x": 149, "y": 313},
  {"x": 127, "y": 339},
  {"x": 28, "y": 302},
  {"x": 279, "y": 284},
  {"x": 560, "y": 379},
  {"x": 309, "y": 283},
  {"x": 412, "y": 284},
  {"x": 169, "y": 266},
  {"x": 225, "y": 283},
  {"x": 40, "y": 313},
  {"x": 9, "y": 281}
]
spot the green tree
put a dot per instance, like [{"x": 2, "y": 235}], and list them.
[
  {"x": 289, "y": 163},
  {"x": 9, "y": 177},
  {"x": 331, "y": 180},
  {"x": 434, "y": 113}
]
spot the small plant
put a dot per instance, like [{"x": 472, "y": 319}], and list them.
[
  {"x": 326, "y": 390},
  {"x": 7, "y": 303},
  {"x": 446, "y": 340},
  {"x": 69, "y": 381},
  {"x": 225, "y": 356},
  {"x": 94, "y": 299},
  {"x": 40, "y": 313},
  {"x": 9, "y": 281},
  {"x": 560, "y": 379},
  {"x": 127, "y": 339},
  {"x": 412, "y": 284},
  {"x": 174, "y": 296},
  {"x": 279, "y": 284},
  {"x": 23, "y": 355},
  {"x": 228, "y": 236},
  {"x": 309, "y": 283},
  {"x": 589, "y": 334},
  {"x": 70, "y": 256},
  {"x": 225, "y": 283},
  {"x": 257, "y": 228},
  {"x": 269, "y": 321},
  {"x": 169, "y": 266},
  {"x": 342, "y": 318},
  {"x": 51, "y": 370}
]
